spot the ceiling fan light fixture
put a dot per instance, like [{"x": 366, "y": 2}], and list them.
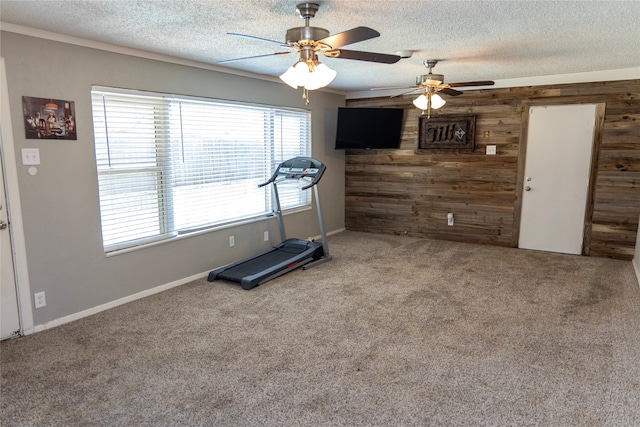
[
  {"x": 421, "y": 102},
  {"x": 437, "y": 101},
  {"x": 296, "y": 75},
  {"x": 310, "y": 75},
  {"x": 321, "y": 76}
]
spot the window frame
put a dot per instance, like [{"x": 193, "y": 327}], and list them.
[{"x": 167, "y": 232}]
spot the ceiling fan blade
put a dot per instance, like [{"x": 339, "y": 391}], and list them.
[
  {"x": 359, "y": 55},
  {"x": 466, "y": 84},
  {"x": 224, "y": 61},
  {"x": 450, "y": 91},
  {"x": 353, "y": 35},
  {"x": 407, "y": 93},
  {"x": 395, "y": 87},
  {"x": 260, "y": 39}
]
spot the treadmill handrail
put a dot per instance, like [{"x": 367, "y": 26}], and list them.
[{"x": 311, "y": 184}]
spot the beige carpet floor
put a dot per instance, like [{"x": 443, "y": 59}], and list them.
[{"x": 393, "y": 331}]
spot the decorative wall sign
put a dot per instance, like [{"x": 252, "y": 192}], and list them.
[
  {"x": 447, "y": 132},
  {"x": 46, "y": 118}
]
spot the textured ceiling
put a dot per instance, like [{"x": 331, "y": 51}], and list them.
[{"x": 474, "y": 40}]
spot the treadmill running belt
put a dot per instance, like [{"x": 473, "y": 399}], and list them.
[{"x": 262, "y": 263}]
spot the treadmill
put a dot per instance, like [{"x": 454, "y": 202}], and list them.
[{"x": 291, "y": 254}]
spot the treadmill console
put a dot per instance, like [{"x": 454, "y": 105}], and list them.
[
  {"x": 298, "y": 172},
  {"x": 298, "y": 168}
]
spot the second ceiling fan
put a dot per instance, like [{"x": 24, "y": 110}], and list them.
[
  {"x": 430, "y": 84},
  {"x": 309, "y": 42}
]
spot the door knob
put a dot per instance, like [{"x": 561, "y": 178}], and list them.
[
  {"x": 3, "y": 225},
  {"x": 527, "y": 188}
]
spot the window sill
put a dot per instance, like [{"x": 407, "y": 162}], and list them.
[{"x": 203, "y": 231}]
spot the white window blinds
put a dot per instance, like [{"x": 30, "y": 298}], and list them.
[{"x": 169, "y": 165}]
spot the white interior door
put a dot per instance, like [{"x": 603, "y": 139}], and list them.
[
  {"x": 9, "y": 314},
  {"x": 557, "y": 169},
  {"x": 9, "y": 317}
]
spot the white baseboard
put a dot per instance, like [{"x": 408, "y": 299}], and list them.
[
  {"x": 129, "y": 298},
  {"x": 112, "y": 304},
  {"x": 339, "y": 230},
  {"x": 636, "y": 266},
  {"x": 330, "y": 233}
]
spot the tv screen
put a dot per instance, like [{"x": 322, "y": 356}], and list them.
[{"x": 368, "y": 128}]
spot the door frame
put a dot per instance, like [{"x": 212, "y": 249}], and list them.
[
  {"x": 14, "y": 209},
  {"x": 10, "y": 320},
  {"x": 593, "y": 169}
]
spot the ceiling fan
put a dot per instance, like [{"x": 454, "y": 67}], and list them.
[
  {"x": 309, "y": 42},
  {"x": 430, "y": 84}
]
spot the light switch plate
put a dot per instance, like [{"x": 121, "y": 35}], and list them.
[
  {"x": 491, "y": 150},
  {"x": 30, "y": 156}
]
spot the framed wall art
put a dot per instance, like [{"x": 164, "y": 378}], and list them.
[
  {"x": 46, "y": 118},
  {"x": 447, "y": 133}
]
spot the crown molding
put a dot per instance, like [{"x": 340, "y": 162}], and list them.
[
  {"x": 92, "y": 44},
  {"x": 556, "y": 79}
]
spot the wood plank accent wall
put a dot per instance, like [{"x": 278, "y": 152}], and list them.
[{"x": 407, "y": 192}]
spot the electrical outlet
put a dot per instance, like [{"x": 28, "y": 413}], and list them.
[
  {"x": 450, "y": 219},
  {"x": 39, "y": 299},
  {"x": 491, "y": 150},
  {"x": 232, "y": 241},
  {"x": 266, "y": 236}
]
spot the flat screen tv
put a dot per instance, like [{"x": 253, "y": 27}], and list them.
[{"x": 368, "y": 128}]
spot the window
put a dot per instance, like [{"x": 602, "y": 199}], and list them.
[{"x": 169, "y": 165}]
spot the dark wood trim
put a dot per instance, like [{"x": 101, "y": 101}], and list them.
[{"x": 593, "y": 176}]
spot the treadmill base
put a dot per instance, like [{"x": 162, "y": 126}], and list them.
[{"x": 280, "y": 259}]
